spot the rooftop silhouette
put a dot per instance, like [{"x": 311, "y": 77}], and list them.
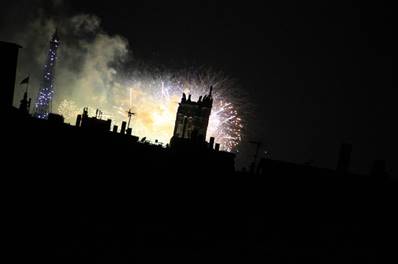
[{"x": 92, "y": 192}]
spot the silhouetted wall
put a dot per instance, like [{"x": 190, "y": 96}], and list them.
[{"x": 8, "y": 65}]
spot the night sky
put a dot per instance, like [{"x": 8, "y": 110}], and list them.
[{"x": 316, "y": 75}]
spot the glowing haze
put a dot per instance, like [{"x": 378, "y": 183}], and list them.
[
  {"x": 154, "y": 98},
  {"x": 97, "y": 70}
]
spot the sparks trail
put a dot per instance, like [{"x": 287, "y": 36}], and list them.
[{"x": 154, "y": 97}]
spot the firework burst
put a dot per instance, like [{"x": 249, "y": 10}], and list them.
[
  {"x": 154, "y": 96},
  {"x": 69, "y": 110}
]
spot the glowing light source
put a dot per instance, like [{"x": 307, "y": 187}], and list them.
[
  {"x": 154, "y": 99},
  {"x": 46, "y": 92}
]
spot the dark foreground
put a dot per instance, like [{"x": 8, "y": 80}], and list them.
[{"x": 77, "y": 197}]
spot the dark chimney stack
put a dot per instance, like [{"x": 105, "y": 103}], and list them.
[
  {"x": 123, "y": 129},
  {"x": 78, "y": 120},
  {"x": 217, "y": 147},
  {"x": 211, "y": 143}
]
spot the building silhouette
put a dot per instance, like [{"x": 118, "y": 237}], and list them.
[
  {"x": 84, "y": 193},
  {"x": 94, "y": 123},
  {"x": 193, "y": 117},
  {"x": 8, "y": 63},
  {"x": 46, "y": 92}
]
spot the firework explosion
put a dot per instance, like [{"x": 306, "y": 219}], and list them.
[
  {"x": 95, "y": 70},
  {"x": 154, "y": 98},
  {"x": 69, "y": 110}
]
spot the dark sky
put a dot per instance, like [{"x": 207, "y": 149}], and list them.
[{"x": 316, "y": 74}]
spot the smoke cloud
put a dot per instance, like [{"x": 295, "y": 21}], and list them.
[
  {"x": 88, "y": 57},
  {"x": 91, "y": 71}
]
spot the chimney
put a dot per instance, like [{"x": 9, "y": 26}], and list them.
[
  {"x": 78, "y": 120},
  {"x": 114, "y": 130},
  {"x": 217, "y": 147},
  {"x": 211, "y": 143},
  {"x": 108, "y": 124},
  {"x": 123, "y": 129}
]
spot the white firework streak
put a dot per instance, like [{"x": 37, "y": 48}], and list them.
[
  {"x": 154, "y": 99},
  {"x": 159, "y": 96}
]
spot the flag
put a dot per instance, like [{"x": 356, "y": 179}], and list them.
[{"x": 26, "y": 80}]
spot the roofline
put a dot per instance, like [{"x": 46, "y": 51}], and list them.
[{"x": 11, "y": 44}]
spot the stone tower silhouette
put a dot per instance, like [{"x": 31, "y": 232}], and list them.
[{"x": 193, "y": 117}]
